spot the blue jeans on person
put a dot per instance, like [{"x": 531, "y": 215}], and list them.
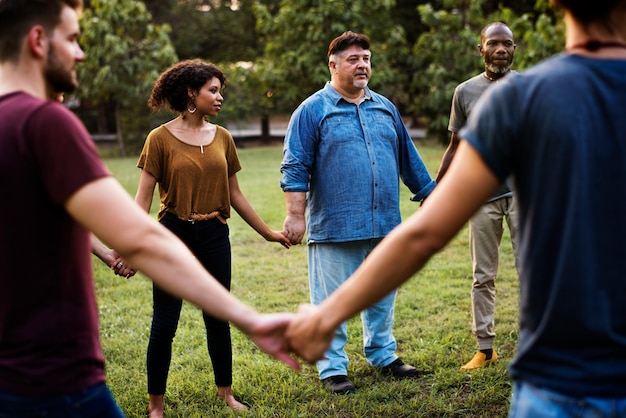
[
  {"x": 93, "y": 402},
  {"x": 330, "y": 264},
  {"x": 529, "y": 401}
]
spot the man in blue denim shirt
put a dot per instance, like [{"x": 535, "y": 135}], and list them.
[{"x": 346, "y": 149}]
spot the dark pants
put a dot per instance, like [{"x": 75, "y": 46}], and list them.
[
  {"x": 93, "y": 402},
  {"x": 209, "y": 242}
]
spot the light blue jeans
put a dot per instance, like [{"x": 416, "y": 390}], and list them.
[
  {"x": 529, "y": 401},
  {"x": 330, "y": 264}
]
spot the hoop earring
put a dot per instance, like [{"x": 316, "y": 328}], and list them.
[{"x": 191, "y": 110}]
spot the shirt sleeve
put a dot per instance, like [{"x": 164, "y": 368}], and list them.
[
  {"x": 413, "y": 171},
  {"x": 299, "y": 151},
  {"x": 64, "y": 151},
  {"x": 494, "y": 126},
  {"x": 458, "y": 116}
]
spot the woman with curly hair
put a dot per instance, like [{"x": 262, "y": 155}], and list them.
[{"x": 194, "y": 163}]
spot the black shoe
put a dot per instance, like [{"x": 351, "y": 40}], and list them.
[
  {"x": 400, "y": 369},
  {"x": 340, "y": 385}
]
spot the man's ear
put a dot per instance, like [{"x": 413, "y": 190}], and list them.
[
  {"x": 481, "y": 51},
  {"x": 37, "y": 41}
]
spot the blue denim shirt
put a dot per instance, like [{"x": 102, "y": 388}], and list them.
[{"x": 350, "y": 160}]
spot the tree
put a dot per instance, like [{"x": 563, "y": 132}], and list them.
[
  {"x": 296, "y": 37},
  {"x": 125, "y": 53},
  {"x": 446, "y": 54}
]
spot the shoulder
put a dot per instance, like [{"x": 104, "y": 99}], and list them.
[
  {"x": 44, "y": 114},
  {"x": 327, "y": 94},
  {"x": 473, "y": 82},
  {"x": 380, "y": 98},
  {"x": 220, "y": 130},
  {"x": 223, "y": 134},
  {"x": 159, "y": 134}
]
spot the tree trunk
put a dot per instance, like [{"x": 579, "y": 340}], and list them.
[
  {"x": 265, "y": 129},
  {"x": 118, "y": 131}
]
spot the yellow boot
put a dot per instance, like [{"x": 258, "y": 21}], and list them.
[{"x": 480, "y": 360}]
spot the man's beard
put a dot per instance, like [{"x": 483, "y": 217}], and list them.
[
  {"x": 361, "y": 84},
  {"x": 499, "y": 69},
  {"x": 58, "y": 77}
]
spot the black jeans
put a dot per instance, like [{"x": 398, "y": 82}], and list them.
[{"x": 209, "y": 242}]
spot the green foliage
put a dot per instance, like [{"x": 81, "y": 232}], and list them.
[
  {"x": 540, "y": 38},
  {"x": 296, "y": 38},
  {"x": 432, "y": 326},
  {"x": 274, "y": 51},
  {"x": 446, "y": 55},
  {"x": 214, "y": 30},
  {"x": 125, "y": 53}
]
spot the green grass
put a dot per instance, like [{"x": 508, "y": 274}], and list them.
[{"x": 432, "y": 326}]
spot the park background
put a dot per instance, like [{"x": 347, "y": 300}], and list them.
[
  {"x": 432, "y": 325},
  {"x": 274, "y": 55}
]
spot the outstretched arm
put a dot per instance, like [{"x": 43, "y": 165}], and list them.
[
  {"x": 448, "y": 156},
  {"x": 243, "y": 207},
  {"x": 400, "y": 255},
  {"x": 105, "y": 208}
]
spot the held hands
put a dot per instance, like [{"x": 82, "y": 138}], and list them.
[
  {"x": 269, "y": 334},
  {"x": 294, "y": 228},
  {"x": 119, "y": 265},
  {"x": 279, "y": 236},
  {"x": 306, "y": 337}
]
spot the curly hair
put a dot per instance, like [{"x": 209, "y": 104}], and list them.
[{"x": 171, "y": 88}]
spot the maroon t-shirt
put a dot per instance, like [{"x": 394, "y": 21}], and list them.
[{"x": 49, "y": 337}]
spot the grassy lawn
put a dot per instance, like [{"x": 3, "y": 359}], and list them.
[{"x": 432, "y": 326}]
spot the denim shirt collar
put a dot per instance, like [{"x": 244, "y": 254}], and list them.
[{"x": 334, "y": 94}]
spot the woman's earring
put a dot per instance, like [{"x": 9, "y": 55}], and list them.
[{"x": 190, "y": 110}]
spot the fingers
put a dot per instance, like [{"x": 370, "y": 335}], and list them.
[
  {"x": 294, "y": 228},
  {"x": 282, "y": 238},
  {"x": 286, "y": 358},
  {"x": 121, "y": 268},
  {"x": 293, "y": 237},
  {"x": 304, "y": 336}
]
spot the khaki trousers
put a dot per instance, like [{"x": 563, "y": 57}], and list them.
[{"x": 485, "y": 234}]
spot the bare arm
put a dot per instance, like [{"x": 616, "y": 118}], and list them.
[
  {"x": 243, "y": 207},
  {"x": 294, "y": 225},
  {"x": 400, "y": 255},
  {"x": 448, "y": 156},
  {"x": 111, "y": 258},
  {"x": 145, "y": 190},
  {"x": 105, "y": 208}
]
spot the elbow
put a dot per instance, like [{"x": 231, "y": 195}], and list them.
[{"x": 423, "y": 244}]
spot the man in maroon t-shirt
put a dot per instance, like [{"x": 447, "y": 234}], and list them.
[{"x": 58, "y": 190}]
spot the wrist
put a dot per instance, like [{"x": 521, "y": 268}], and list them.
[{"x": 246, "y": 319}]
